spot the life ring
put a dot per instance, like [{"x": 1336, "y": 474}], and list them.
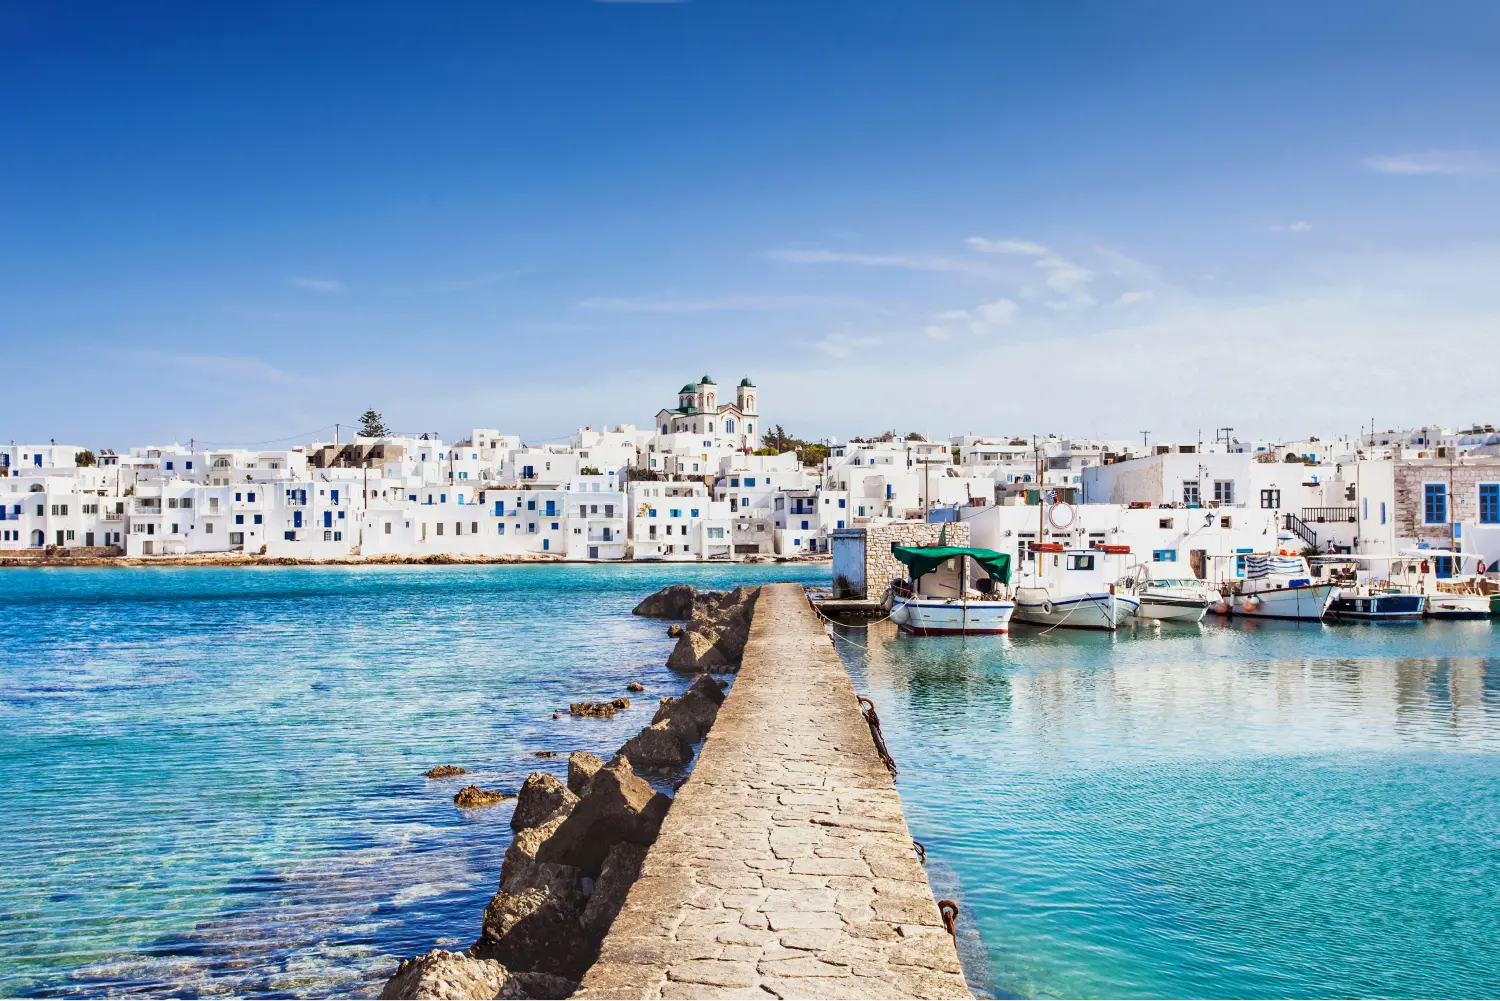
[
  {"x": 1480, "y": 568},
  {"x": 1046, "y": 607},
  {"x": 1052, "y": 516}
]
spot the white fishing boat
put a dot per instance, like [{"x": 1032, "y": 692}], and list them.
[
  {"x": 1280, "y": 587},
  {"x": 1075, "y": 589},
  {"x": 1454, "y": 595},
  {"x": 952, "y": 590}
]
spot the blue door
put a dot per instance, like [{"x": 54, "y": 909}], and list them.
[
  {"x": 327, "y": 519},
  {"x": 296, "y": 519}
]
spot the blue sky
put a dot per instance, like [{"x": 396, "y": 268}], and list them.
[{"x": 239, "y": 224}]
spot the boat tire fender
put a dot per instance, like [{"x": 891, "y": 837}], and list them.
[{"x": 1046, "y": 607}]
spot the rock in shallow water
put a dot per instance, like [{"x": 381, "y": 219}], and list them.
[
  {"x": 445, "y": 772},
  {"x": 470, "y": 797}
]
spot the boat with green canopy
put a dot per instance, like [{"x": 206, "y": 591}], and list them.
[{"x": 951, "y": 590}]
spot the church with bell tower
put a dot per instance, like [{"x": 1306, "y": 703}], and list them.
[{"x": 700, "y": 415}]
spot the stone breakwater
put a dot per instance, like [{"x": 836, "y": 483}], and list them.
[
  {"x": 579, "y": 845},
  {"x": 785, "y": 868}
]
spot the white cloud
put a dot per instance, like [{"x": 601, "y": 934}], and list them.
[
  {"x": 1127, "y": 298},
  {"x": 1069, "y": 280},
  {"x": 1026, "y": 247},
  {"x": 1434, "y": 162},
  {"x": 1294, "y": 227},
  {"x": 318, "y": 284},
  {"x": 980, "y": 320}
]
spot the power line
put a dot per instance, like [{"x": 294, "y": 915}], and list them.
[{"x": 266, "y": 441}]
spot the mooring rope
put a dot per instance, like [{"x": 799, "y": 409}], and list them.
[
  {"x": 920, "y": 849},
  {"x": 872, "y": 718}
]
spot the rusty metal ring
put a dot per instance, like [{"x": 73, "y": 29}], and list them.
[{"x": 949, "y": 911}]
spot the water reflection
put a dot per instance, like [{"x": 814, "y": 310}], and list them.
[{"x": 1266, "y": 809}]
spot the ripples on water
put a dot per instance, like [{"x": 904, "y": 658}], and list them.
[
  {"x": 213, "y": 777},
  {"x": 1231, "y": 810}
]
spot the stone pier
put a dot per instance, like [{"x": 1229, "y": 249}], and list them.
[{"x": 784, "y": 869}]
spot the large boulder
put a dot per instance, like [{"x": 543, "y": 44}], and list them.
[
  {"x": 694, "y": 711},
  {"x": 445, "y": 976},
  {"x": 541, "y": 798},
  {"x": 668, "y": 744},
  {"x": 622, "y": 867},
  {"x": 581, "y": 768},
  {"x": 716, "y": 635},
  {"x": 537, "y": 932},
  {"x": 620, "y": 806},
  {"x": 521, "y": 871},
  {"x": 674, "y": 602}
]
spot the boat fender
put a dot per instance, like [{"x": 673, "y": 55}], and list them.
[
  {"x": 1251, "y": 604},
  {"x": 1046, "y": 607},
  {"x": 1222, "y": 608}
]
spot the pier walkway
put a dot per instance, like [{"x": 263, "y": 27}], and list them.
[{"x": 784, "y": 868}]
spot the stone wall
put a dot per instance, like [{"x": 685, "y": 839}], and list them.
[
  {"x": 1462, "y": 477},
  {"x": 881, "y": 567}
]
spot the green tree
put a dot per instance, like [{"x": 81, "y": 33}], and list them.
[
  {"x": 372, "y": 425},
  {"x": 84, "y": 458}
]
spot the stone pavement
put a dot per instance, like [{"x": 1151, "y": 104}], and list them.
[{"x": 784, "y": 869}]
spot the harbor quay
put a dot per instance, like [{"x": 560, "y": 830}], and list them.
[{"x": 784, "y": 868}]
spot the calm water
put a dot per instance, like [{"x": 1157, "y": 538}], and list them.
[
  {"x": 1262, "y": 810},
  {"x": 212, "y": 779}
]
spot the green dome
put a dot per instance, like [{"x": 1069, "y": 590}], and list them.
[
  {"x": 689, "y": 388},
  {"x": 706, "y": 381},
  {"x": 746, "y": 382}
]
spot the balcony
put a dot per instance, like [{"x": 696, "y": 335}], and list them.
[{"x": 1325, "y": 515}]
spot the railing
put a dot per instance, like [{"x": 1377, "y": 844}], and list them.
[
  {"x": 1299, "y": 527},
  {"x": 1327, "y": 514}
]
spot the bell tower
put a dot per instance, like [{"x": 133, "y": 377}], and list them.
[{"x": 745, "y": 397}]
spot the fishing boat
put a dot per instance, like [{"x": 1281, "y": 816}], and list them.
[
  {"x": 1365, "y": 595},
  {"x": 1075, "y": 588},
  {"x": 1280, "y": 587},
  {"x": 1455, "y": 595},
  {"x": 951, "y": 591}
]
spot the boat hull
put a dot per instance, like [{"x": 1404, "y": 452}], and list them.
[
  {"x": 1304, "y": 603},
  {"x": 1378, "y": 607},
  {"x": 1076, "y": 611},
  {"x": 950, "y": 617},
  {"x": 1458, "y": 606},
  {"x": 1168, "y": 609}
]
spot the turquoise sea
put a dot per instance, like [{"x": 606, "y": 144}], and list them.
[
  {"x": 212, "y": 781},
  {"x": 212, "y": 778},
  {"x": 1225, "y": 810}
]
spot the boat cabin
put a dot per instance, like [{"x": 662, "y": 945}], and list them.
[{"x": 953, "y": 572}]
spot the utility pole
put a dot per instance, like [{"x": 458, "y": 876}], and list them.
[
  {"x": 335, "y": 436},
  {"x": 1144, "y": 445}
]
